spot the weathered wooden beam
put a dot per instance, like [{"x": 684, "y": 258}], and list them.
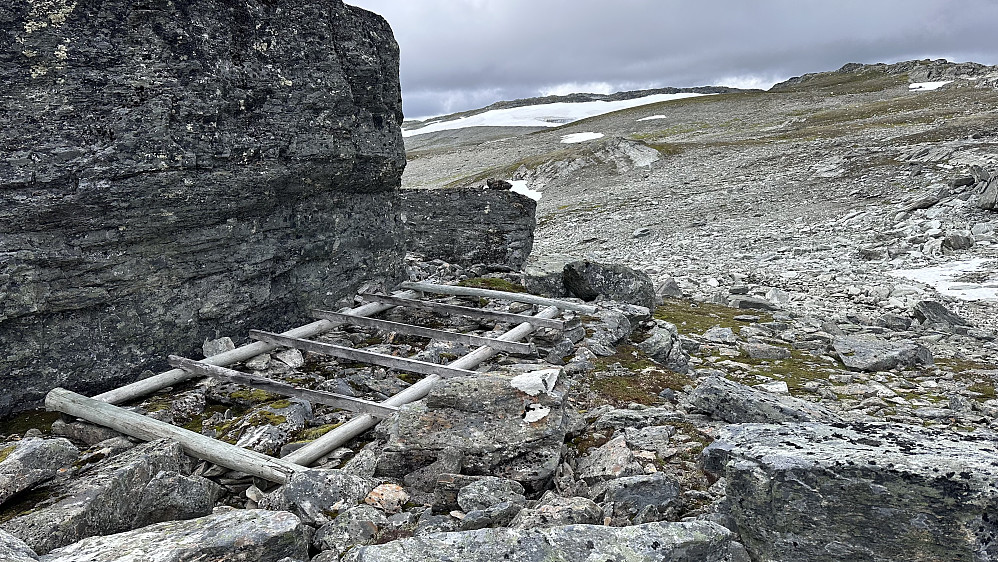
[
  {"x": 400, "y": 363},
  {"x": 442, "y": 335},
  {"x": 470, "y": 312},
  {"x": 358, "y": 425},
  {"x": 492, "y": 294},
  {"x": 149, "y": 429},
  {"x": 241, "y": 353},
  {"x": 277, "y": 387}
]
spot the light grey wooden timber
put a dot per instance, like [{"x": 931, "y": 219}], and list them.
[
  {"x": 493, "y": 294},
  {"x": 470, "y": 312},
  {"x": 358, "y": 425},
  {"x": 263, "y": 383},
  {"x": 442, "y": 335},
  {"x": 400, "y": 363},
  {"x": 241, "y": 353},
  {"x": 149, "y": 429}
]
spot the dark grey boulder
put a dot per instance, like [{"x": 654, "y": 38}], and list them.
[
  {"x": 874, "y": 492},
  {"x": 638, "y": 499},
  {"x": 733, "y": 402},
  {"x": 750, "y": 302},
  {"x": 988, "y": 198},
  {"x": 870, "y": 353},
  {"x": 613, "y": 327},
  {"x": 30, "y": 462},
  {"x": 173, "y": 174},
  {"x": 488, "y": 491},
  {"x": 354, "y": 526},
  {"x": 317, "y": 495},
  {"x": 13, "y": 549},
  {"x": 932, "y": 313},
  {"x": 144, "y": 485},
  {"x": 238, "y": 535},
  {"x": 494, "y": 427},
  {"x": 697, "y": 541},
  {"x": 609, "y": 461},
  {"x": 588, "y": 280},
  {"x": 663, "y": 346},
  {"x": 555, "y": 511}
]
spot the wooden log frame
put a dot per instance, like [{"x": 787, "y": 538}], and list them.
[
  {"x": 501, "y": 295},
  {"x": 98, "y": 410},
  {"x": 469, "y": 312},
  {"x": 194, "y": 444},
  {"x": 441, "y": 335},
  {"x": 152, "y": 384},
  {"x": 343, "y": 434},
  {"x": 263, "y": 383},
  {"x": 400, "y": 363}
]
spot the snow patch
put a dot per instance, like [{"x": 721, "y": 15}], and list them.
[
  {"x": 536, "y": 382},
  {"x": 944, "y": 279},
  {"x": 536, "y": 412},
  {"x": 653, "y": 117},
  {"x": 926, "y": 86},
  {"x": 520, "y": 186},
  {"x": 543, "y": 115},
  {"x": 580, "y": 137}
]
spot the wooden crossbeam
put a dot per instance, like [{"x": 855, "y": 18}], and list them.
[
  {"x": 400, "y": 363},
  {"x": 442, "y": 335},
  {"x": 263, "y": 383},
  {"x": 469, "y": 312},
  {"x": 149, "y": 429},
  {"x": 492, "y": 294}
]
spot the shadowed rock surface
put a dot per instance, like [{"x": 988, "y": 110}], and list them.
[
  {"x": 177, "y": 170},
  {"x": 469, "y": 225}
]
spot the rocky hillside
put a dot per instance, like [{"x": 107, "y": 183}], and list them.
[{"x": 174, "y": 170}]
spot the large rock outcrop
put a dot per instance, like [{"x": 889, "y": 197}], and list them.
[
  {"x": 172, "y": 171},
  {"x": 469, "y": 225},
  {"x": 874, "y": 492}
]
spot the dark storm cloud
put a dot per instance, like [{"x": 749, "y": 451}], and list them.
[{"x": 463, "y": 54}]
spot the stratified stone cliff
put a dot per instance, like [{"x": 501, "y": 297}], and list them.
[{"x": 172, "y": 171}]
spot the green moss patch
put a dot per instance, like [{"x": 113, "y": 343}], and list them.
[
  {"x": 35, "y": 419},
  {"x": 4, "y": 453},
  {"x": 692, "y": 317},
  {"x": 800, "y": 369},
  {"x": 493, "y": 283}
]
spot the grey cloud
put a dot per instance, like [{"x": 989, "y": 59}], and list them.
[{"x": 461, "y": 54}]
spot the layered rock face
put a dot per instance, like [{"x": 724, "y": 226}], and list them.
[
  {"x": 173, "y": 171},
  {"x": 469, "y": 226}
]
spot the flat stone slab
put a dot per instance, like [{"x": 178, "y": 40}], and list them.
[
  {"x": 244, "y": 535},
  {"x": 732, "y": 402},
  {"x": 698, "y": 541},
  {"x": 868, "y": 353},
  {"x": 810, "y": 491}
]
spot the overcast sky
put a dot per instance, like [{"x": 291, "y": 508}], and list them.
[{"x": 465, "y": 54}]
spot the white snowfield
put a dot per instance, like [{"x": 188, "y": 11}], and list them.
[
  {"x": 543, "y": 115},
  {"x": 520, "y": 186},
  {"x": 943, "y": 278},
  {"x": 926, "y": 86},
  {"x": 580, "y": 137}
]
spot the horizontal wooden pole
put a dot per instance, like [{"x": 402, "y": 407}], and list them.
[
  {"x": 492, "y": 294},
  {"x": 441, "y": 335},
  {"x": 263, "y": 383},
  {"x": 194, "y": 444},
  {"x": 469, "y": 312},
  {"x": 400, "y": 363},
  {"x": 358, "y": 425},
  {"x": 152, "y": 384}
]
